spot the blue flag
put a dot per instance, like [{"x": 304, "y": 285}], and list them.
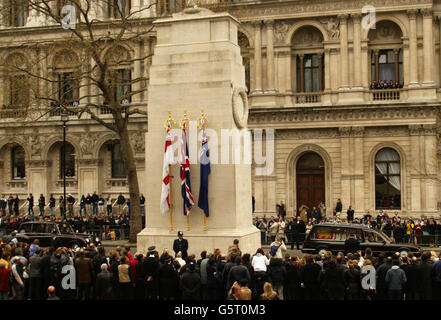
[{"x": 205, "y": 172}]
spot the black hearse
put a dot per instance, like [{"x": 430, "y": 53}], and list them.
[
  {"x": 42, "y": 230},
  {"x": 331, "y": 237}
]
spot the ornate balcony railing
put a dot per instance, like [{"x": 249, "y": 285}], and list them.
[
  {"x": 385, "y": 94},
  {"x": 11, "y": 113},
  {"x": 307, "y": 97}
]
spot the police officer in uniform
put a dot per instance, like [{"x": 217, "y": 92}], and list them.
[{"x": 181, "y": 245}]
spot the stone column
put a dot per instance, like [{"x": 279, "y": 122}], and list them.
[
  {"x": 413, "y": 50},
  {"x": 327, "y": 70},
  {"x": 136, "y": 86},
  {"x": 270, "y": 63},
  {"x": 415, "y": 169},
  {"x": 345, "y": 191},
  {"x": 428, "y": 46},
  {"x": 344, "y": 80},
  {"x": 365, "y": 68},
  {"x": 257, "y": 57},
  {"x": 357, "y": 50},
  {"x": 358, "y": 198}
]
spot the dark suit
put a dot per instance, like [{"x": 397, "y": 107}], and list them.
[
  {"x": 182, "y": 246},
  {"x": 351, "y": 245}
]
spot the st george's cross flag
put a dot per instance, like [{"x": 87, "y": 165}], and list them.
[
  {"x": 168, "y": 160},
  {"x": 205, "y": 172},
  {"x": 185, "y": 175}
]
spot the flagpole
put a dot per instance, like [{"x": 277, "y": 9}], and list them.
[
  {"x": 168, "y": 125},
  {"x": 170, "y": 177},
  {"x": 202, "y": 125}
]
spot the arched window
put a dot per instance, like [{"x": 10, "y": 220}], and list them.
[
  {"x": 386, "y": 56},
  {"x": 66, "y": 66},
  {"x": 120, "y": 75},
  {"x": 387, "y": 179},
  {"x": 18, "y": 13},
  {"x": 18, "y": 168},
  {"x": 118, "y": 8},
  {"x": 308, "y": 58},
  {"x": 119, "y": 169},
  {"x": 69, "y": 153}
]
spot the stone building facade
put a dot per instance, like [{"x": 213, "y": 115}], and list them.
[{"x": 309, "y": 70}]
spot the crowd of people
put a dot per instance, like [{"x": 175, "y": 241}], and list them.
[
  {"x": 90, "y": 204},
  {"x": 29, "y": 272},
  {"x": 383, "y": 84},
  {"x": 294, "y": 229}
]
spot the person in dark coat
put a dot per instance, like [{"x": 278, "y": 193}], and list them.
[
  {"x": 181, "y": 245},
  {"x": 16, "y": 203},
  {"x": 150, "y": 269},
  {"x": 140, "y": 278},
  {"x": 277, "y": 274},
  {"x": 293, "y": 284},
  {"x": 211, "y": 279},
  {"x": 46, "y": 269},
  {"x": 352, "y": 244},
  {"x": 381, "y": 285},
  {"x": 310, "y": 275},
  {"x": 238, "y": 272},
  {"x": 334, "y": 281},
  {"x": 168, "y": 281},
  {"x": 353, "y": 281},
  {"x": 413, "y": 277},
  {"x": 425, "y": 272},
  {"x": 105, "y": 285},
  {"x": 190, "y": 283}
]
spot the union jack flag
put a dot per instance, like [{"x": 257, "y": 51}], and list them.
[{"x": 185, "y": 175}]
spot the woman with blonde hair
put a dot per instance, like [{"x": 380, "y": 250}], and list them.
[{"x": 268, "y": 292}]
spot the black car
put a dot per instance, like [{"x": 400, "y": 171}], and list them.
[
  {"x": 331, "y": 237},
  {"x": 43, "y": 230}
]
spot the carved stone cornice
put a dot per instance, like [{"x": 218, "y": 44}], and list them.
[
  {"x": 303, "y": 134},
  {"x": 303, "y": 115},
  {"x": 38, "y": 163},
  {"x": 297, "y": 9},
  {"x": 390, "y": 131},
  {"x": 90, "y": 162}
]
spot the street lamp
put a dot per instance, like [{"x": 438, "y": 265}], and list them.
[{"x": 64, "y": 119}]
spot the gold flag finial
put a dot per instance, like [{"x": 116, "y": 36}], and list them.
[
  {"x": 202, "y": 121},
  {"x": 184, "y": 121},
  {"x": 170, "y": 123}
]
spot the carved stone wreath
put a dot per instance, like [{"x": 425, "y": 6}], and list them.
[{"x": 240, "y": 107}]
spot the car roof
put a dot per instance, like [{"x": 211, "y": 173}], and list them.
[{"x": 344, "y": 225}]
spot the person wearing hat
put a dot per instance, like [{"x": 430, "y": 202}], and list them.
[{"x": 181, "y": 245}]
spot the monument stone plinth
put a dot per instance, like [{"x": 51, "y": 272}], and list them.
[{"x": 197, "y": 64}]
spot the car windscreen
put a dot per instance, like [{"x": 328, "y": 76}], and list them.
[{"x": 327, "y": 233}]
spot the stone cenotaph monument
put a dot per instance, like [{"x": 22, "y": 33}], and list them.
[{"x": 197, "y": 64}]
